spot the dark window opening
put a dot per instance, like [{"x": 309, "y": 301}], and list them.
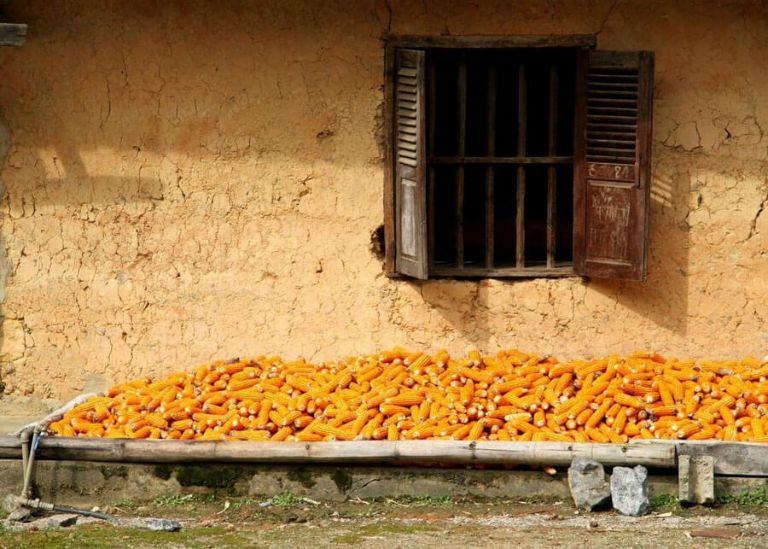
[{"x": 500, "y": 141}]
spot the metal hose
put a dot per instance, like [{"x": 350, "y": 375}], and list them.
[{"x": 28, "y": 450}]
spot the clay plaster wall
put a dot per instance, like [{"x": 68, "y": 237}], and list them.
[{"x": 184, "y": 181}]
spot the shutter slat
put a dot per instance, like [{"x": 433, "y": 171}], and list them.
[
  {"x": 596, "y": 91},
  {"x": 597, "y": 103},
  {"x": 613, "y": 164},
  {"x": 603, "y": 143},
  {"x": 597, "y": 84},
  {"x": 628, "y": 125}
]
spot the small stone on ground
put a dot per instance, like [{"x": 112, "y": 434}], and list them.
[
  {"x": 589, "y": 487},
  {"x": 19, "y": 515},
  {"x": 61, "y": 520},
  {"x": 629, "y": 491}
]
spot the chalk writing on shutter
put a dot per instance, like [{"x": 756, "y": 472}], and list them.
[{"x": 609, "y": 223}]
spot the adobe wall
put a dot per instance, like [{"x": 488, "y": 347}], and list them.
[{"x": 185, "y": 181}]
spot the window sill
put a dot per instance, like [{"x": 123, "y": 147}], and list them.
[{"x": 512, "y": 272}]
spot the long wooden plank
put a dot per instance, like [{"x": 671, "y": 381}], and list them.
[
  {"x": 437, "y": 451},
  {"x": 12, "y": 34}
]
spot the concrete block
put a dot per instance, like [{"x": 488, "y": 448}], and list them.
[
  {"x": 696, "y": 479},
  {"x": 588, "y": 484}
]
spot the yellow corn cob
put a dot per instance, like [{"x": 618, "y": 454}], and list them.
[{"x": 401, "y": 394}]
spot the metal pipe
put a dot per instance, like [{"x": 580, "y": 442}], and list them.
[
  {"x": 28, "y": 464},
  {"x": 38, "y": 505},
  {"x": 24, "y": 436},
  {"x": 29, "y": 471}
]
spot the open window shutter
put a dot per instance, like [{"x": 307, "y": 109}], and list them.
[
  {"x": 410, "y": 165},
  {"x": 613, "y": 155}
]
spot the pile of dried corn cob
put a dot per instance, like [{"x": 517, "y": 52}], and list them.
[{"x": 397, "y": 395}]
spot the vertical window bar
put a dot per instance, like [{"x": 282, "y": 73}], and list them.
[
  {"x": 522, "y": 105},
  {"x": 489, "y": 170},
  {"x": 551, "y": 171},
  {"x": 432, "y": 86},
  {"x": 462, "y": 96}
]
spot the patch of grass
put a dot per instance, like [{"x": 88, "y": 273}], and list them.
[
  {"x": 663, "y": 501},
  {"x": 173, "y": 500},
  {"x": 286, "y": 499},
  {"x": 382, "y": 528},
  {"x": 754, "y": 498},
  {"x": 247, "y": 502},
  {"x": 109, "y": 536},
  {"x": 428, "y": 501},
  {"x": 126, "y": 503},
  {"x": 535, "y": 499}
]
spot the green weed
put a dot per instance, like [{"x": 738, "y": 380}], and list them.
[
  {"x": 173, "y": 500},
  {"x": 126, "y": 504},
  {"x": 753, "y": 498},
  {"x": 663, "y": 501},
  {"x": 286, "y": 499}
]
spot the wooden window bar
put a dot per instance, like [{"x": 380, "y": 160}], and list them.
[
  {"x": 462, "y": 95},
  {"x": 551, "y": 171},
  {"x": 522, "y": 121},
  {"x": 490, "y": 146}
]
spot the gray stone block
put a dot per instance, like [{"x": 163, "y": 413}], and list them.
[
  {"x": 629, "y": 490},
  {"x": 588, "y": 484}
]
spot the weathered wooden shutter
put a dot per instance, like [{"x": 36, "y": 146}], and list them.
[
  {"x": 410, "y": 165},
  {"x": 613, "y": 161}
]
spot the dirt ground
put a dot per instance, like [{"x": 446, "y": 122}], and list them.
[{"x": 288, "y": 521}]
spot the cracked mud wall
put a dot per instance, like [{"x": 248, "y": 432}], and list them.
[{"x": 184, "y": 181}]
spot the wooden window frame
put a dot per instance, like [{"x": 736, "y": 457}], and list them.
[
  {"x": 469, "y": 42},
  {"x": 602, "y": 247}
]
